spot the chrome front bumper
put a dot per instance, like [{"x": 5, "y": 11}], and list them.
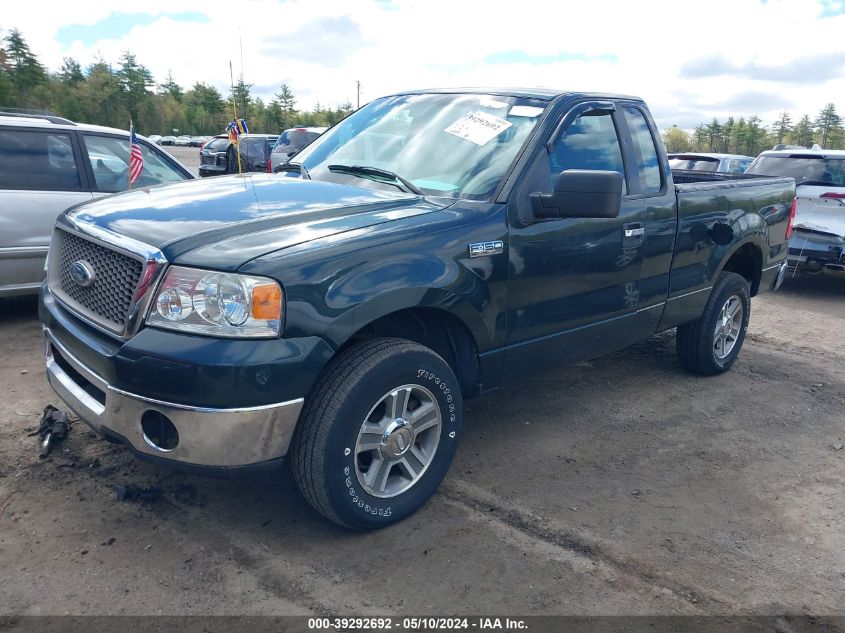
[{"x": 207, "y": 437}]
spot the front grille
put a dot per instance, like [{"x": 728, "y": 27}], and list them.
[{"x": 116, "y": 275}]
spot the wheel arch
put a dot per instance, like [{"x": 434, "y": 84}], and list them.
[
  {"x": 451, "y": 332},
  {"x": 744, "y": 258}
]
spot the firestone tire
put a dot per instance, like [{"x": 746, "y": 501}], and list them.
[
  {"x": 378, "y": 433},
  {"x": 710, "y": 344}
]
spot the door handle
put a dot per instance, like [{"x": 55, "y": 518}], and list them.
[{"x": 633, "y": 229}]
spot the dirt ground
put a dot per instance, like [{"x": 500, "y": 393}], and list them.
[{"x": 618, "y": 486}]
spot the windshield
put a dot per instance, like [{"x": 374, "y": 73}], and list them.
[
  {"x": 217, "y": 145},
  {"x": 454, "y": 145},
  {"x": 694, "y": 164},
  {"x": 291, "y": 141},
  {"x": 804, "y": 168}
]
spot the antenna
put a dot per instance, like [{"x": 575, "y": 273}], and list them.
[
  {"x": 235, "y": 112},
  {"x": 358, "y": 84}
]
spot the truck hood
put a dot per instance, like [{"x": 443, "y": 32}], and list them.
[{"x": 224, "y": 222}]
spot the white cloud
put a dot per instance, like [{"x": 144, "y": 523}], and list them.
[{"x": 643, "y": 49}]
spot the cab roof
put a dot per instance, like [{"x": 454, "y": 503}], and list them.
[
  {"x": 805, "y": 153},
  {"x": 543, "y": 94}
]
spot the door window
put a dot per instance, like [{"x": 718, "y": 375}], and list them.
[
  {"x": 590, "y": 142},
  {"x": 37, "y": 160},
  {"x": 109, "y": 158},
  {"x": 645, "y": 151}
]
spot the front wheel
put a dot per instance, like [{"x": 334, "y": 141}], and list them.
[
  {"x": 710, "y": 344},
  {"x": 378, "y": 433}
]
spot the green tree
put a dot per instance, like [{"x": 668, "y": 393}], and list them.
[
  {"x": 135, "y": 80},
  {"x": 699, "y": 136},
  {"x": 171, "y": 88},
  {"x": 71, "y": 71},
  {"x": 6, "y": 87},
  {"x": 727, "y": 134},
  {"x": 828, "y": 125},
  {"x": 241, "y": 94},
  {"x": 714, "y": 132},
  {"x": 25, "y": 71},
  {"x": 101, "y": 97},
  {"x": 782, "y": 127},
  {"x": 802, "y": 133},
  {"x": 738, "y": 137},
  {"x": 285, "y": 99},
  {"x": 675, "y": 139},
  {"x": 755, "y": 136}
]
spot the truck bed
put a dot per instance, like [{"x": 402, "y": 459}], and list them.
[
  {"x": 746, "y": 204},
  {"x": 686, "y": 176}
]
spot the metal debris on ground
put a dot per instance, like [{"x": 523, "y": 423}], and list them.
[{"x": 54, "y": 427}]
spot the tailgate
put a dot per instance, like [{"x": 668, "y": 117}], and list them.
[{"x": 821, "y": 209}]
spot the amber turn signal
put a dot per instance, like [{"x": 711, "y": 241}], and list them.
[{"x": 267, "y": 302}]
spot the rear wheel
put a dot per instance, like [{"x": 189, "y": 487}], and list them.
[
  {"x": 710, "y": 344},
  {"x": 378, "y": 433}
]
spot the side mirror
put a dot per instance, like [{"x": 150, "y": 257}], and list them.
[{"x": 581, "y": 193}]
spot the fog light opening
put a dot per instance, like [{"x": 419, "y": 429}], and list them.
[{"x": 159, "y": 432}]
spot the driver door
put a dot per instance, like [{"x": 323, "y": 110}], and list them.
[{"x": 574, "y": 283}]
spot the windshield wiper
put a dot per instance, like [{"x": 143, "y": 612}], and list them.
[
  {"x": 379, "y": 175},
  {"x": 292, "y": 167}
]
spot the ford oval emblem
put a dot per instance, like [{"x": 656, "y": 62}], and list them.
[{"x": 82, "y": 273}]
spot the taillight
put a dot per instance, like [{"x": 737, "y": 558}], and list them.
[
  {"x": 792, "y": 210},
  {"x": 833, "y": 194},
  {"x": 269, "y": 166}
]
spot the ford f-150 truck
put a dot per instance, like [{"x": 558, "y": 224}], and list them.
[{"x": 432, "y": 246}]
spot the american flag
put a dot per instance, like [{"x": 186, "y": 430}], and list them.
[
  {"x": 136, "y": 159},
  {"x": 236, "y": 128}
]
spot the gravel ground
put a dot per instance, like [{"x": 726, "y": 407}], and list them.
[
  {"x": 188, "y": 156},
  {"x": 618, "y": 486}
]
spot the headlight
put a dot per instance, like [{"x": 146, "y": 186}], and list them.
[{"x": 218, "y": 304}]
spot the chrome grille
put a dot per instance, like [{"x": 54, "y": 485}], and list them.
[{"x": 108, "y": 299}]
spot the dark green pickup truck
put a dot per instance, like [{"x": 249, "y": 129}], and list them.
[{"x": 430, "y": 247}]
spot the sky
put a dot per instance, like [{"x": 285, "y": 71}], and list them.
[{"x": 691, "y": 61}]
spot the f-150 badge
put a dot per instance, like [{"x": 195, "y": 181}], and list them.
[{"x": 486, "y": 249}]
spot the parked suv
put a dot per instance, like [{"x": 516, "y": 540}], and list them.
[
  {"x": 48, "y": 164},
  {"x": 218, "y": 156},
  {"x": 818, "y": 241},
  {"x": 292, "y": 141}
]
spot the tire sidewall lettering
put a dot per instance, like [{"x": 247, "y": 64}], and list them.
[{"x": 448, "y": 399}]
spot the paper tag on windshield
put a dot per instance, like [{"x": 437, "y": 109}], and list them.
[
  {"x": 487, "y": 102},
  {"x": 529, "y": 111},
  {"x": 478, "y": 127}
]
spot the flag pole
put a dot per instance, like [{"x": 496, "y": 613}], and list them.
[
  {"x": 129, "y": 165},
  {"x": 235, "y": 112}
]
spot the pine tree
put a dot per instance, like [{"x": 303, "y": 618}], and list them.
[
  {"x": 134, "y": 79},
  {"x": 25, "y": 71},
  {"x": 802, "y": 133},
  {"x": 828, "y": 125},
  {"x": 71, "y": 71},
  {"x": 782, "y": 126},
  {"x": 714, "y": 132},
  {"x": 170, "y": 87}
]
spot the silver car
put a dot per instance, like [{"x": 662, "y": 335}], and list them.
[
  {"x": 292, "y": 141},
  {"x": 48, "y": 164},
  {"x": 697, "y": 161}
]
